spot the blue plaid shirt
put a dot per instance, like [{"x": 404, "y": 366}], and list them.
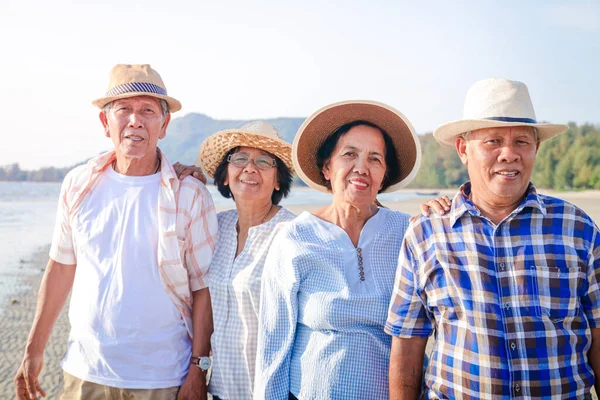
[{"x": 512, "y": 304}]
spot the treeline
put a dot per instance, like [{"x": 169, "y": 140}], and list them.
[
  {"x": 13, "y": 173},
  {"x": 566, "y": 162},
  {"x": 570, "y": 161}
]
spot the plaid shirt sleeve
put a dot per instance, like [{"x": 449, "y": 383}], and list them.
[
  {"x": 407, "y": 315},
  {"x": 591, "y": 299},
  {"x": 201, "y": 234},
  {"x": 62, "y": 250}
]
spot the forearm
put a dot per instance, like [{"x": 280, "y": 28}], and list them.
[
  {"x": 594, "y": 358},
  {"x": 54, "y": 290},
  {"x": 202, "y": 321},
  {"x": 406, "y": 367}
]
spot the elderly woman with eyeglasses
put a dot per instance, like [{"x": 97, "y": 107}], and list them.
[
  {"x": 252, "y": 165},
  {"x": 328, "y": 278}
]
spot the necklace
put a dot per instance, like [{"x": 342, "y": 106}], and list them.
[
  {"x": 267, "y": 214},
  {"x": 264, "y": 219}
]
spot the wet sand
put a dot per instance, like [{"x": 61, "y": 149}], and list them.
[{"x": 19, "y": 312}]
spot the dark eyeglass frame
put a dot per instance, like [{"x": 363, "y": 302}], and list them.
[{"x": 248, "y": 158}]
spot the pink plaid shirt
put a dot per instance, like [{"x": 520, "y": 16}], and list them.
[{"x": 187, "y": 224}]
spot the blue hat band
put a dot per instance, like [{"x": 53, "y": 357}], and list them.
[
  {"x": 135, "y": 87},
  {"x": 510, "y": 119}
]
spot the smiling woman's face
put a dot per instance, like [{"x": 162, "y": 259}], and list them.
[
  {"x": 250, "y": 182},
  {"x": 357, "y": 167}
]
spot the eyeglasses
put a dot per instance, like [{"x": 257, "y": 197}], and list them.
[{"x": 262, "y": 161}]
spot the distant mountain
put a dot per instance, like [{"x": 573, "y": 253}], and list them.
[{"x": 186, "y": 134}]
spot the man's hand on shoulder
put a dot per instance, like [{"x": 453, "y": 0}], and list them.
[
  {"x": 440, "y": 205},
  {"x": 194, "y": 387},
  {"x": 26, "y": 381},
  {"x": 189, "y": 170}
]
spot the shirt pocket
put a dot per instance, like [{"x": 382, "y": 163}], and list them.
[{"x": 557, "y": 292}]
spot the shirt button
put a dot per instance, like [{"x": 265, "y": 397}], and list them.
[
  {"x": 513, "y": 345},
  {"x": 506, "y": 305},
  {"x": 517, "y": 387},
  {"x": 502, "y": 266}
]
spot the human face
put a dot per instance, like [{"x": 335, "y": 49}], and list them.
[
  {"x": 500, "y": 162},
  {"x": 249, "y": 182},
  {"x": 135, "y": 125},
  {"x": 356, "y": 168}
]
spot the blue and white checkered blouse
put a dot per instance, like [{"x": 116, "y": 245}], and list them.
[
  {"x": 234, "y": 284},
  {"x": 320, "y": 326},
  {"x": 511, "y": 304}
]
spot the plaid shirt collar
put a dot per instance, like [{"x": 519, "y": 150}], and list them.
[
  {"x": 167, "y": 173},
  {"x": 462, "y": 204}
]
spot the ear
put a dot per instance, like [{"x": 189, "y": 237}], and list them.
[
  {"x": 325, "y": 171},
  {"x": 163, "y": 130},
  {"x": 537, "y": 146},
  {"x": 104, "y": 121},
  {"x": 461, "y": 149}
]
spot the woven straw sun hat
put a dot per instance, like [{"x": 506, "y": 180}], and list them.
[
  {"x": 130, "y": 80},
  {"x": 257, "y": 134},
  {"x": 324, "y": 122},
  {"x": 492, "y": 103}
]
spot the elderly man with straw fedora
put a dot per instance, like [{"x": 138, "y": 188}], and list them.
[
  {"x": 133, "y": 244},
  {"x": 509, "y": 279}
]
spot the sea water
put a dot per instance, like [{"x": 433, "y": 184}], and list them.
[{"x": 28, "y": 213}]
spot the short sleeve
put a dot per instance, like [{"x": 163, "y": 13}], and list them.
[{"x": 407, "y": 315}]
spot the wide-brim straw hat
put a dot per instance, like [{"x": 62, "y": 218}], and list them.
[
  {"x": 130, "y": 80},
  {"x": 324, "y": 122},
  {"x": 257, "y": 134},
  {"x": 492, "y": 103}
]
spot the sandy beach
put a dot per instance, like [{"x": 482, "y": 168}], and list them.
[{"x": 19, "y": 312}]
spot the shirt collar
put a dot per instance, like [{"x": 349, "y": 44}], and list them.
[
  {"x": 461, "y": 203},
  {"x": 168, "y": 176}
]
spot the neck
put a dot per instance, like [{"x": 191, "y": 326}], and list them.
[
  {"x": 137, "y": 166},
  {"x": 253, "y": 213},
  {"x": 349, "y": 217},
  {"x": 496, "y": 211}
]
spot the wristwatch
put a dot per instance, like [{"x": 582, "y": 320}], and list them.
[{"x": 203, "y": 363}]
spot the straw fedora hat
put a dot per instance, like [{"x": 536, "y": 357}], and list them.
[
  {"x": 324, "y": 122},
  {"x": 257, "y": 134},
  {"x": 135, "y": 80},
  {"x": 494, "y": 103}
]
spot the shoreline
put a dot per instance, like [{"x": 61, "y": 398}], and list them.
[
  {"x": 16, "y": 323},
  {"x": 19, "y": 309}
]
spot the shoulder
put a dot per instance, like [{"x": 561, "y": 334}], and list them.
[
  {"x": 193, "y": 192},
  {"x": 76, "y": 175},
  {"x": 395, "y": 217},
  {"x": 285, "y": 215},
  {"x": 559, "y": 210},
  {"x": 228, "y": 215},
  {"x": 556, "y": 207}
]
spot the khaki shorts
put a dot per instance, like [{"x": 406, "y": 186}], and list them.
[{"x": 77, "y": 389}]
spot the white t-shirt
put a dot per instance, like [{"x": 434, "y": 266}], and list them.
[{"x": 125, "y": 330}]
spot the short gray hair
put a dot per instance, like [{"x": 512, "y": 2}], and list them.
[{"x": 163, "y": 105}]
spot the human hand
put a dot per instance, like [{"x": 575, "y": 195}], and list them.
[
  {"x": 441, "y": 205},
  {"x": 26, "y": 381},
  {"x": 189, "y": 170},
  {"x": 194, "y": 386}
]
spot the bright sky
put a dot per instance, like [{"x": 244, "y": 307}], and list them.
[{"x": 260, "y": 59}]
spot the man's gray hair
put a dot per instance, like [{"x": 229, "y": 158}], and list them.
[{"x": 163, "y": 105}]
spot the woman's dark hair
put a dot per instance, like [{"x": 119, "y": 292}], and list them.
[
  {"x": 284, "y": 178},
  {"x": 324, "y": 152}
]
